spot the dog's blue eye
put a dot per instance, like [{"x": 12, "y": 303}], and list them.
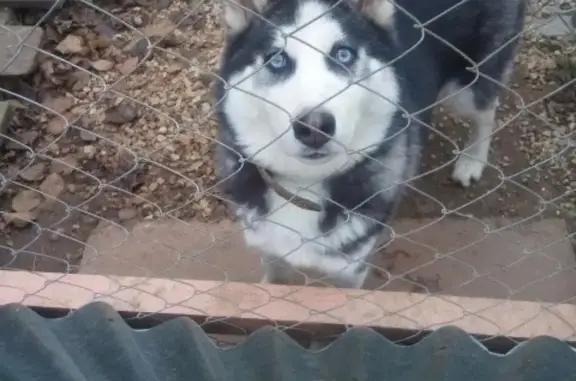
[
  {"x": 277, "y": 60},
  {"x": 345, "y": 55}
]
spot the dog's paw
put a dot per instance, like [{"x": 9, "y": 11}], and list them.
[{"x": 467, "y": 169}]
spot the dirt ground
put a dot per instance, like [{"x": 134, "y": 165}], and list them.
[{"x": 116, "y": 125}]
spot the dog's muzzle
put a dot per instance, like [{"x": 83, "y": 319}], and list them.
[{"x": 314, "y": 129}]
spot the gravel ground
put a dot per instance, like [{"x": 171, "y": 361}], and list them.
[{"x": 121, "y": 129}]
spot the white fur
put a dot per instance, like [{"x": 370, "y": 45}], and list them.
[
  {"x": 291, "y": 234},
  {"x": 260, "y": 115}
]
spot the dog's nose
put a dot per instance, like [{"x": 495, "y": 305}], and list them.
[{"x": 314, "y": 129}]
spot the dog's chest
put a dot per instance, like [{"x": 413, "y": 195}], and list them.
[{"x": 293, "y": 234}]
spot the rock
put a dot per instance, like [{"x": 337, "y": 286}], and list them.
[
  {"x": 26, "y": 139},
  {"x": 20, "y": 219},
  {"x": 102, "y": 65},
  {"x": 162, "y": 32},
  {"x": 128, "y": 66},
  {"x": 14, "y": 60},
  {"x": 162, "y": 4},
  {"x": 105, "y": 30},
  {"x": 139, "y": 48},
  {"x": 89, "y": 151},
  {"x": 123, "y": 113},
  {"x": 56, "y": 125},
  {"x": 61, "y": 167},
  {"x": 174, "y": 68},
  {"x": 71, "y": 45},
  {"x": 60, "y": 104},
  {"x": 87, "y": 136},
  {"x": 127, "y": 214},
  {"x": 138, "y": 21},
  {"x": 79, "y": 80},
  {"x": 7, "y": 17},
  {"x": 205, "y": 107},
  {"x": 555, "y": 25},
  {"x": 176, "y": 18},
  {"x": 160, "y": 29},
  {"x": 11, "y": 172},
  {"x": 53, "y": 185},
  {"x": 206, "y": 79},
  {"x": 34, "y": 172},
  {"x": 6, "y": 114},
  {"x": 16, "y": 146},
  {"x": 26, "y": 200},
  {"x": 55, "y": 235},
  {"x": 98, "y": 43}
]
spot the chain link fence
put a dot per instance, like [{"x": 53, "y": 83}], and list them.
[{"x": 107, "y": 167}]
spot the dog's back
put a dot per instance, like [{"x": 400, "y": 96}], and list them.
[{"x": 453, "y": 35}]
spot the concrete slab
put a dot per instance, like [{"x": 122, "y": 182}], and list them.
[
  {"x": 171, "y": 249},
  {"x": 493, "y": 258},
  {"x": 532, "y": 261},
  {"x": 11, "y": 46}
]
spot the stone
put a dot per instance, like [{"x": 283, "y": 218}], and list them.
[
  {"x": 532, "y": 260},
  {"x": 5, "y": 118},
  {"x": 17, "y": 59},
  {"x": 7, "y": 16},
  {"x": 171, "y": 249},
  {"x": 26, "y": 200},
  {"x": 555, "y": 26}
]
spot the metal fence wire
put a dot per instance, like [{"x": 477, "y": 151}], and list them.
[{"x": 107, "y": 165}]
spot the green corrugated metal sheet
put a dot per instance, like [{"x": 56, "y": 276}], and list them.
[{"x": 95, "y": 344}]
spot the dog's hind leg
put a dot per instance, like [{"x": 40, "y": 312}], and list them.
[
  {"x": 479, "y": 89},
  {"x": 473, "y": 158},
  {"x": 476, "y": 99}
]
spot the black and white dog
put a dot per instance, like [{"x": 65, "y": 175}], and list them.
[{"x": 323, "y": 115}]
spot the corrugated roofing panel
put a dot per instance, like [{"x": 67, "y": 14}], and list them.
[{"x": 95, "y": 344}]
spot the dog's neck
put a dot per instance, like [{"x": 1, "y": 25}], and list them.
[{"x": 281, "y": 190}]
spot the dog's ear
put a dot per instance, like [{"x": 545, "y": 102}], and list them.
[
  {"x": 381, "y": 11},
  {"x": 238, "y": 13}
]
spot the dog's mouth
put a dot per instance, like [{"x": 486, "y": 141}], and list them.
[{"x": 315, "y": 155}]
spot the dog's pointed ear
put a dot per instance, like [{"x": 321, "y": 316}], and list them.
[
  {"x": 238, "y": 13},
  {"x": 381, "y": 11}
]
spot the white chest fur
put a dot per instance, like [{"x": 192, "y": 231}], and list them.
[{"x": 293, "y": 234}]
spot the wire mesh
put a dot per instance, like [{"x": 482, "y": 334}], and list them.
[{"x": 108, "y": 166}]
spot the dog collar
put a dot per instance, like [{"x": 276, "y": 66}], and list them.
[{"x": 300, "y": 202}]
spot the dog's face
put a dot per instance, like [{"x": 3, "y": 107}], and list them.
[{"x": 307, "y": 81}]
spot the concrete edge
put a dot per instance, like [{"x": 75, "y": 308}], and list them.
[{"x": 318, "y": 309}]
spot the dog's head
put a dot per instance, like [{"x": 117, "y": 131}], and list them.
[{"x": 307, "y": 81}]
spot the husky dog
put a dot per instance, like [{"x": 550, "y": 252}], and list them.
[{"x": 324, "y": 108}]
